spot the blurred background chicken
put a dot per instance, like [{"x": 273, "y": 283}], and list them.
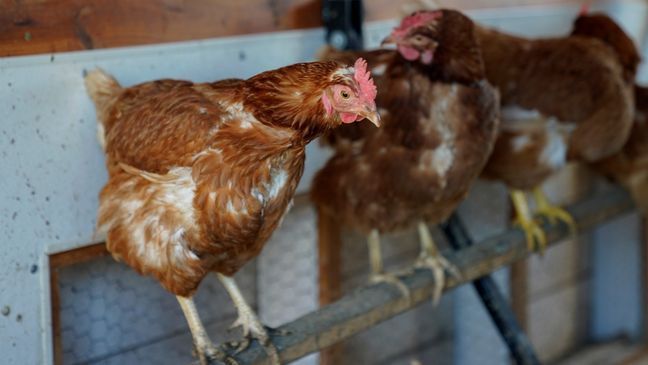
[
  {"x": 440, "y": 119},
  {"x": 201, "y": 174},
  {"x": 629, "y": 167},
  {"x": 563, "y": 99}
]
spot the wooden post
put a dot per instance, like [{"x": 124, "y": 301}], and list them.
[
  {"x": 518, "y": 285},
  {"x": 644, "y": 279},
  {"x": 330, "y": 272},
  {"x": 519, "y": 291}
]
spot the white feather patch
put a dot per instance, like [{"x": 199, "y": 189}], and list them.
[
  {"x": 379, "y": 70},
  {"x": 554, "y": 153},
  {"x": 175, "y": 191},
  {"x": 238, "y": 113},
  {"x": 278, "y": 180},
  {"x": 521, "y": 142},
  {"x": 440, "y": 159}
]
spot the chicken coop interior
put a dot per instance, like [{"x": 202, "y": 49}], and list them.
[{"x": 332, "y": 182}]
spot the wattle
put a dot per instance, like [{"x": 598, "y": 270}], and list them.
[
  {"x": 408, "y": 53},
  {"x": 348, "y": 117}
]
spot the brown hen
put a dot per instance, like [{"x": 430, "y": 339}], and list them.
[
  {"x": 562, "y": 99},
  {"x": 201, "y": 174},
  {"x": 440, "y": 119},
  {"x": 629, "y": 167}
]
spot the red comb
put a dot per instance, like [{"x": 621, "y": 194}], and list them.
[
  {"x": 415, "y": 20},
  {"x": 363, "y": 78},
  {"x": 584, "y": 8}
]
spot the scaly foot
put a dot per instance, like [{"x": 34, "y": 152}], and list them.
[
  {"x": 250, "y": 324},
  {"x": 430, "y": 258},
  {"x": 378, "y": 275},
  {"x": 552, "y": 212},
  {"x": 438, "y": 265},
  {"x": 535, "y": 236},
  {"x": 253, "y": 329}
]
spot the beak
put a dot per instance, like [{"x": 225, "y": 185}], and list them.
[
  {"x": 372, "y": 115},
  {"x": 388, "y": 40}
]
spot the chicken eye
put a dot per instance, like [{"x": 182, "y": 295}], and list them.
[{"x": 344, "y": 94}]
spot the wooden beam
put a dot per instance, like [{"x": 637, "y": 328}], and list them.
[
  {"x": 329, "y": 243},
  {"x": 370, "y": 305},
  {"x": 644, "y": 275},
  {"x": 520, "y": 291},
  {"x": 35, "y": 26},
  {"x": 77, "y": 255}
]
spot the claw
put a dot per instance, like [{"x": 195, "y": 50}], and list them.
[
  {"x": 203, "y": 347},
  {"x": 377, "y": 273},
  {"x": 393, "y": 280},
  {"x": 431, "y": 259},
  {"x": 552, "y": 212},
  {"x": 210, "y": 353},
  {"x": 277, "y": 331},
  {"x": 535, "y": 236},
  {"x": 249, "y": 323}
]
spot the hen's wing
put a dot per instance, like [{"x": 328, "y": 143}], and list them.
[{"x": 161, "y": 124}]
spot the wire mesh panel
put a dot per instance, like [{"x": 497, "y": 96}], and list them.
[
  {"x": 110, "y": 314},
  {"x": 288, "y": 286}
]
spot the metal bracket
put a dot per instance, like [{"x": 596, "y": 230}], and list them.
[{"x": 343, "y": 23}]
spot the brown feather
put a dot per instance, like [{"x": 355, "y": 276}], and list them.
[{"x": 629, "y": 167}]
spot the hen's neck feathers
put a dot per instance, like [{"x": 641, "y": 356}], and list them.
[
  {"x": 291, "y": 97},
  {"x": 458, "y": 56}
]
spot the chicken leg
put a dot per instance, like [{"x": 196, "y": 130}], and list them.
[
  {"x": 535, "y": 236},
  {"x": 552, "y": 212},
  {"x": 430, "y": 258},
  {"x": 204, "y": 347},
  {"x": 247, "y": 319},
  {"x": 375, "y": 259}
]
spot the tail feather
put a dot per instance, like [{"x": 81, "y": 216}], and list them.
[{"x": 103, "y": 90}]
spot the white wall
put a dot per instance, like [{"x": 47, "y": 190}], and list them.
[{"x": 53, "y": 168}]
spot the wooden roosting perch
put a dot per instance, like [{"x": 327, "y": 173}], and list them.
[{"x": 370, "y": 305}]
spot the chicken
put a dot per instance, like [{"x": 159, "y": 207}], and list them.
[
  {"x": 201, "y": 174},
  {"x": 563, "y": 99},
  {"x": 629, "y": 167},
  {"x": 440, "y": 120}
]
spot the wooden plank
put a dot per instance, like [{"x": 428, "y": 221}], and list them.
[
  {"x": 33, "y": 26},
  {"x": 36, "y": 26},
  {"x": 370, "y": 305},
  {"x": 78, "y": 255}
]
